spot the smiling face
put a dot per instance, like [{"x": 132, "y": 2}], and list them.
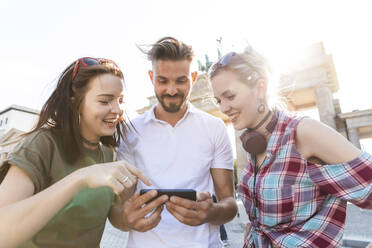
[
  {"x": 101, "y": 107},
  {"x": 236, "y": 99},
  {"x": 172, "y": 82}
]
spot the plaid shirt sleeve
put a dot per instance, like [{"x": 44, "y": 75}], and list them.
[{"x": 350, "y": 181}]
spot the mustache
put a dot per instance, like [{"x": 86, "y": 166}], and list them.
[{"x": 176, "y": 95}]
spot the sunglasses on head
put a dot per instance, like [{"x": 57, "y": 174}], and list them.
[
  {"x": 225, "y": 60},
  {"x": 88, "y": 61},
  {"x": 222, "y": 62}
]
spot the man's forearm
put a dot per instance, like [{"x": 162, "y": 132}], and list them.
[{"x": 223, "y": 211}]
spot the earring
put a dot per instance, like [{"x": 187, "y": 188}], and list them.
[
  {"x": 261, "y": 108},
  {"x": 79, "y": 119}
]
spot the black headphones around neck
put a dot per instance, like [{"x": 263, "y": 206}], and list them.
[{"x": 254, "y": 142}]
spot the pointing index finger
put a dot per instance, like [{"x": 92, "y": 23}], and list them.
[{"x": 132, "y": 169}]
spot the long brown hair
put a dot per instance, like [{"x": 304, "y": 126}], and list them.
[{"x": 60, "y": 113}]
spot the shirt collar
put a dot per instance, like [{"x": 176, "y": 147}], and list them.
[{"x": 150, "y": 114}]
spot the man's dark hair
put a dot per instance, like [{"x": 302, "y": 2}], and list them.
[{"x": 169, "y": 48}]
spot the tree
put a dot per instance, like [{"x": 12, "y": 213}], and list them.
[{"x": 205, "y": 67}]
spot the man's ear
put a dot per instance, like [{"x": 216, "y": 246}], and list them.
[
  {"x": 151, "y": 74},
  {"x": 194, "y": 75}
]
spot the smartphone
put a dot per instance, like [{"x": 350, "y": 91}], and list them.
[{"x": 184, "y": 193}]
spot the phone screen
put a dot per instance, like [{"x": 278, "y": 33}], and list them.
[{"x": 184, "y": 193}]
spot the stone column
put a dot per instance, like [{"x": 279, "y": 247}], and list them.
[
  {"x": 340, "y": 123},
  {"x": 324, "y": 102},
  {"x": 353, "y": 136}
]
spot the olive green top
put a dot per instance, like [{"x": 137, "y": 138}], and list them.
[{"x": 81, "y": 222}]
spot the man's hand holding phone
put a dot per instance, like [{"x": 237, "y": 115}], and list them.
[
  {"x": 183, "y": 193},
  {"x": 190, "y": 212},
  {"x": 135, "y": 211}
]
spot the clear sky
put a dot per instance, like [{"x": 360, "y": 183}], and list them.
[{"x": 39, "y": 38}]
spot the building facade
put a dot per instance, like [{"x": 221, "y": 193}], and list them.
[{"x": 14, "y": 121}]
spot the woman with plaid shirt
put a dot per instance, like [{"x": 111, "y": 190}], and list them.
[{"x": 300, "y": 173}]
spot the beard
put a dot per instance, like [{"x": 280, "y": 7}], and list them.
[{"x": 172, "y": 107}]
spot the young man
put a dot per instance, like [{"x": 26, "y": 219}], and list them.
[{"x": 177, "y": 146}]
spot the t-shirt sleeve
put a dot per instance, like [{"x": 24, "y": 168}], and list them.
[
  {"x": 33, "y": 155},
  {"x": 223, "y": 157},
  {"x": 350, "y": 181},
  {"x": 124, "y": 152}
]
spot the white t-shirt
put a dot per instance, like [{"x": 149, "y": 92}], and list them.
[{"x": 178, "y": 157}]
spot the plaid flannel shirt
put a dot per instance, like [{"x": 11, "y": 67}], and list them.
[{"x": 298, "y": 203}]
